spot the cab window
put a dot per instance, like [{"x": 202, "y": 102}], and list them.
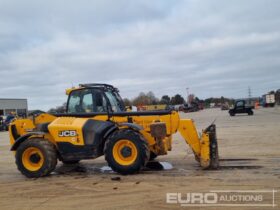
[
  {"x": 115, "y": 105},
  {"x": 87, "y": 101},
  {"x": 74, "y": 102},
  {"x": 99, "y": 102},
  {"x": 239, "y": 104}
]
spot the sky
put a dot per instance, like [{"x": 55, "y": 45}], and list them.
[{"x": 214, "y": 48}]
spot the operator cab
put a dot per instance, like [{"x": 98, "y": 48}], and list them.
[
  {"x": 94, "y": 98},
  {"x": 239, "y": 105}
]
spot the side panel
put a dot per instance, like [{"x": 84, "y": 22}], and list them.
[
  {"x": 68, "y": 129},
  {"x": 69, "y": 151},
  {"x": 95, "y": 130},
  {"x": 79, "y": 138}
]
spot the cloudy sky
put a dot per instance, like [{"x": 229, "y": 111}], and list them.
[{"x": 212, "y": 47}]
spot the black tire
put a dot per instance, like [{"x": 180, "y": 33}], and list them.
[
  {"x": 250, "y": 112},
  {"x": 153, "y": 156},
  {"x": 231, "y": 114},
  {"x": 143, "y": 153},
  {"x": 49, "y": 157},
  {"x": 70, "y": 162}
]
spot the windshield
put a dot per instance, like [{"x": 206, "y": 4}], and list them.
[
  {"x": 115, "y": 101},
  {"x": 120, "y": 101}
]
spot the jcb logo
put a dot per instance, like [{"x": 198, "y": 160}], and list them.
[{"x": 67, "y": 133}]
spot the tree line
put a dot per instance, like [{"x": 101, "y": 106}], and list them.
[{"x": 149, "y": 98}]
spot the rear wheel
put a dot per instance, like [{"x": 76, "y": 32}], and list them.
[
  {"x": 126, "y": 151},
  {"x": 36, "y": 158},
  {"x": 250, "y": 112}
]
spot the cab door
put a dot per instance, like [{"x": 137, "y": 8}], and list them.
[{"x": 87, "y": 101}]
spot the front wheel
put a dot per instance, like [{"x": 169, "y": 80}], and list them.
[
  {"x": 126, "y": 151},
  {"x": 36, "y": 157}
]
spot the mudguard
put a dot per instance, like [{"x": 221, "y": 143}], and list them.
[
  {"x": 24, "y": 138},
  {"x": 132, "y": 126}
]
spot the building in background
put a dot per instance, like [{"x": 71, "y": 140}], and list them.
[
  {"x": 277, "y": 97},
  {"x": 11, "y": 105}
]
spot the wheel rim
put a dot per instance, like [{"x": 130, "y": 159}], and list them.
[
  {"x": 125, "y": 152},
  {"x": 32, "y": 159}
]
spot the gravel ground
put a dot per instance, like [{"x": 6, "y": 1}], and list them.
[{"x": 249, "y": 148}]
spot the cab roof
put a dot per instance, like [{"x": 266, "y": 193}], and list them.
[{"x": 92, "y": 85}]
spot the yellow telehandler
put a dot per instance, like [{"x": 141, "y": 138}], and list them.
[{"x": 96, "y": 123}]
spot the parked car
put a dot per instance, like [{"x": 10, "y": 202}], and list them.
[
  {"x": 5, "y": 123},
  {"x": 2, "y": 123},
  {"x": 193, "y": 107},
  {"x": 241, "y": 107}
]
